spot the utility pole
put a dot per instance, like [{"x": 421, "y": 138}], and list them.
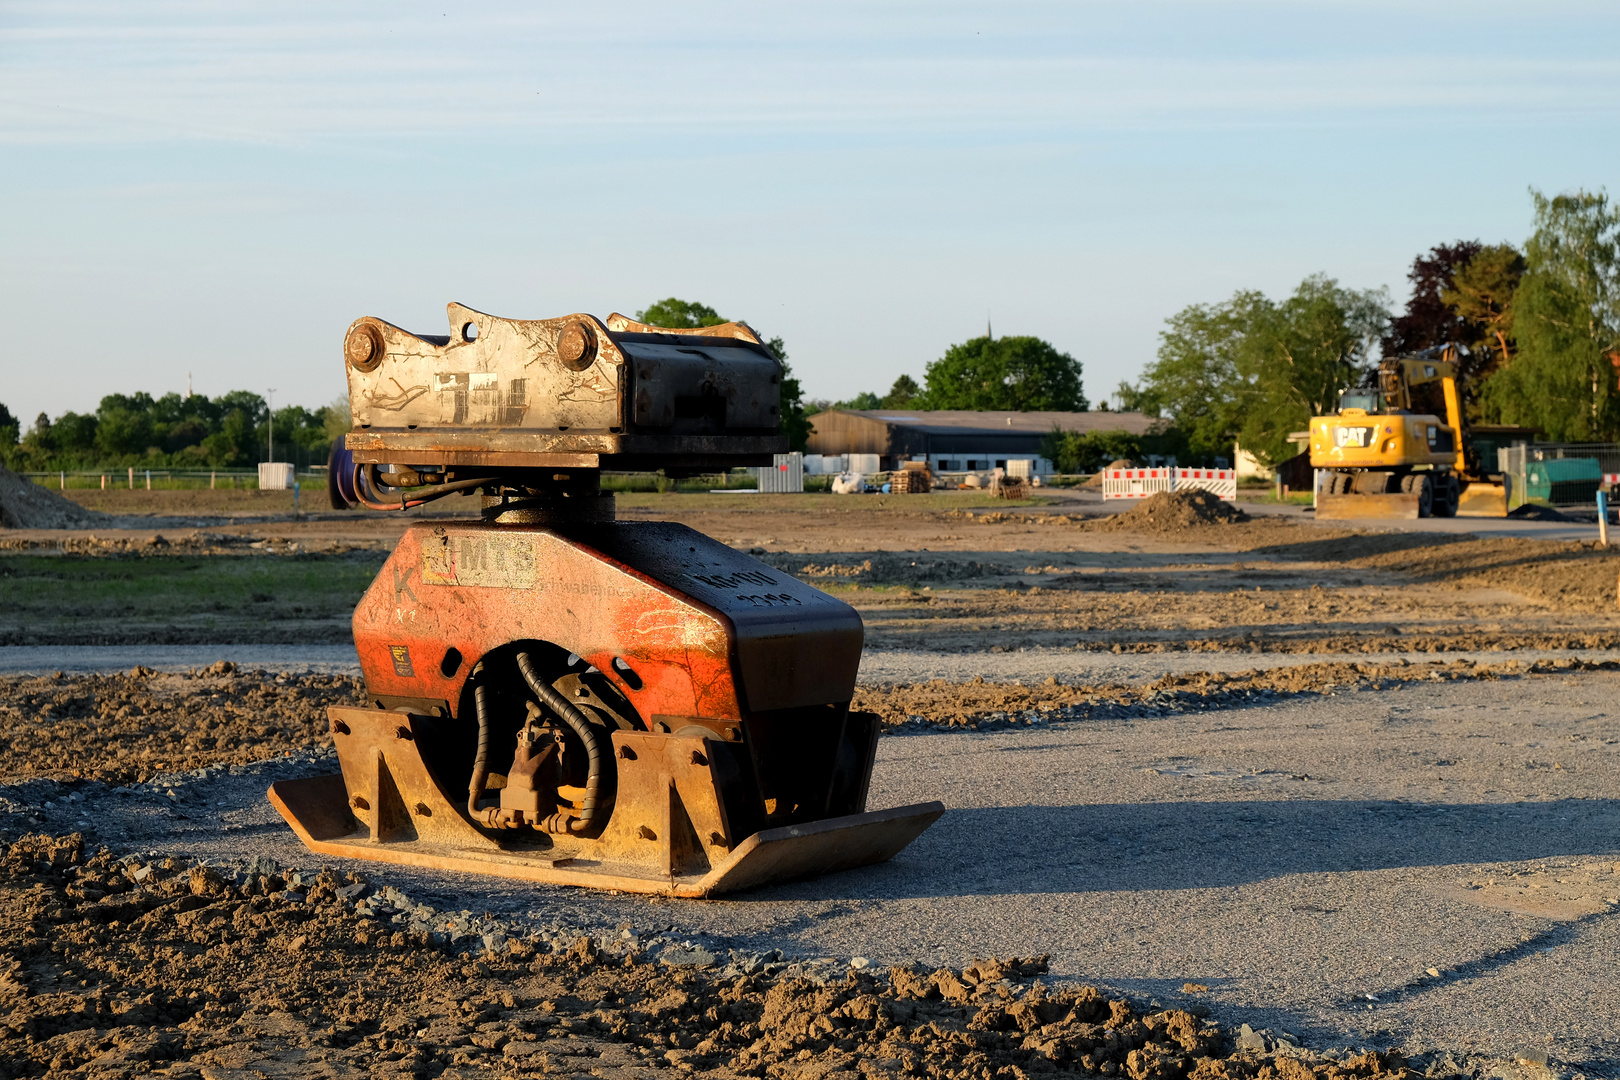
[{"x": 270, "y": 407}]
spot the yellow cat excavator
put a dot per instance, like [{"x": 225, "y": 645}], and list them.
[{"x": 1399, "y": 447}]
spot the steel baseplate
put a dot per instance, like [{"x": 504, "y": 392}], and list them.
[{"x": 668, "y": 833}]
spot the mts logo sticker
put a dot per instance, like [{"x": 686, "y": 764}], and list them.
[{"x": 402, "y": 661}]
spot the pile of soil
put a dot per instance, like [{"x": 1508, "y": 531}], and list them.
[
  {"x": 1096, "y": 479},
  {"x": 982, "y": 703},
  {"x": 1173, "y": 512},
  {"x": 123, "y": 968},
  {"x": 26, "y": 505},
  {"x": 130, "y": 727}
]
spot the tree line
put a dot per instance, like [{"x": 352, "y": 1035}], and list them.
[
  {"x": 173, "y": 431},
  {"x": 1537, "y": 330}
]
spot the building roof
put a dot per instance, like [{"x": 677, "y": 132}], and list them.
[{"x": 961, "y": 421}]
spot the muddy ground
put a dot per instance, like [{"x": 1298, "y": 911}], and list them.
[
  {"x": 130, "y": 963},
  {"x": 133, "y": 967},
  {"x": 128, "y": 968}
]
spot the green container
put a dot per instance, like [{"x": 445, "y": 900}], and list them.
[{"x": 1563, "y": 480}]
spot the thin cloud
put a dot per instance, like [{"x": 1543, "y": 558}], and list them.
[{"x": 90, "y": 74}]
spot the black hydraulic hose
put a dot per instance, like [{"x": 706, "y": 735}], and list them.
[
  {"x": 480, "y": 773},
  {"x": 366, "y": 484},
  {"x": 583, "y": 728}
]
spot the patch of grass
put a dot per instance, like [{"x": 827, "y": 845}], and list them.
[
  {"x": 1295, "y": 498},
  {"x": 66, "y": 599}
]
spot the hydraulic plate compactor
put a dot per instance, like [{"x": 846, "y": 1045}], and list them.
[{"x": 560, "y": 696}]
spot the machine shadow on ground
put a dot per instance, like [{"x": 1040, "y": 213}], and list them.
[{"x": 1198, "y": 845}]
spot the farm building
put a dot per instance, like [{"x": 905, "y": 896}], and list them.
[{"x": 956, "y": 441}]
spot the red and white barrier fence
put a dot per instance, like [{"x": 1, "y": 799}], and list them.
[
  {"x": 1140, "y": 483},
  {"x": 1223, "y": 482},
  {"x": 1135, "y": 483}
]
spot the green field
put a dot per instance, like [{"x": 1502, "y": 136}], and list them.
[{"x": 70, "y": 599}]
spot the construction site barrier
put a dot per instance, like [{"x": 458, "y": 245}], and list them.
[
  {"x": 1223, "y": 482},
  {"x": 1135, "y": 483},
  {"x": 1140, "y": 483}
]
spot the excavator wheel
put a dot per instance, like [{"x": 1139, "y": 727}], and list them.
[
  {"x": 1446, "y": 496},
  {"x": 1421, "y": 485}
]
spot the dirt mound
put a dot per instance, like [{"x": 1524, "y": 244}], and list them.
[
  {"x": 120, "y": 728},
  {"x": 1172, "y": 512},
  {"x": 26, "y": 505},
  {"x": 143, "y": 966},
  {"x": 1118, "y": 463}
]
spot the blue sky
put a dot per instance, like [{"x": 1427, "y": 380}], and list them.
[{"x": 221, "y": 189}]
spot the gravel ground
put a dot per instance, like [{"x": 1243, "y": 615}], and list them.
[
  {"x": 879, "y": 667},
  {"x": 1320, "y": 852},
  {"x": 44, "y": 659},
  {"x": 1308, "y": 858},
  {"x": 138, "y": 967}
]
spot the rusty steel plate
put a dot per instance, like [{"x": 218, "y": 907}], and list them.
[{"x": 318, "y": 811}]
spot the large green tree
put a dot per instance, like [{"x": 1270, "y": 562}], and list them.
[
  {"x": 1254, "y": 369},
  {"x": 1481, "y": 293},
  {"x": 1565, "y": 322},
  {"x": 677, "y": 314},
  {"x": 1428, "y": 320},
  {"x": 1012, "y": 374}
]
